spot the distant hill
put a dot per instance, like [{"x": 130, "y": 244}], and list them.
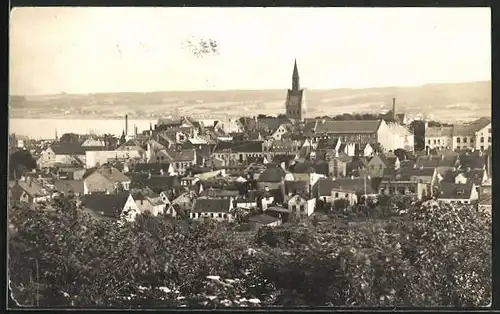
[{"x": 459, "y": 100}]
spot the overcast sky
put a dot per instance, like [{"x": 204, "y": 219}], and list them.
[{"x": 85, "y": 50}]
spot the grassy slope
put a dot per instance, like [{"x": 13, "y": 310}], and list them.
[{"x": 455, "y": 99}]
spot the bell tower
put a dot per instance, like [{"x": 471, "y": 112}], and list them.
[{"x": 295, "y": 104}]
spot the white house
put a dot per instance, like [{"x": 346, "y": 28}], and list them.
[
  {"x": 302, "y": 204},
  {"x": 218, "y": 209},
  {"x": 483, "y": 136},
  {"x": 153, "y": 204}
]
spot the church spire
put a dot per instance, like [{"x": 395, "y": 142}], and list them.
[{"x": 295, "y": 77}]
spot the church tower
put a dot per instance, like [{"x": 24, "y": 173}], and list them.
[{"x": 295, "y": 100}]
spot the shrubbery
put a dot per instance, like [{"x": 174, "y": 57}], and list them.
[{"x": 431, "y": 255}]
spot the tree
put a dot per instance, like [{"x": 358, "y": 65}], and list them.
[
  {"x": 20, "y": 162},
  {"x": 70, "y": 138},
  {"x": 417, "y": 254}
]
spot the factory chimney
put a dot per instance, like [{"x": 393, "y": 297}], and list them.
[
  {"x": 126, "y": 124},
  {"x": 394, "y": 109}
]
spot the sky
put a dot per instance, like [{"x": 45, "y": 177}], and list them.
[{"x": 94, "y": 50}]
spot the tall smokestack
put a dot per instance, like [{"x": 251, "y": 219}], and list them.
[
  {"x": 126, "y": 124},
  {"x": 135, "y": 129},
  {"x": 394, "y": 108}
]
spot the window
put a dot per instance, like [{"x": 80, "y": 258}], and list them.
[
  {"x": 336, "y": 194},
  {"x": 439, "y": 141},
  {"x": 482, "y": 139},
  {"x": 211, "y": 215},
  {"x": 220, "y": 215},
  {"x": 434, "y": 141},
  {"x": 324, "y": 199},
  {"x": 429, "y": 142},
  {"x": 294, "y": 207},
  {"x": 472, "y": 140},
  {"x": 482, "y": 147},
  {"x": 302, "y": 209},
  {"x": 465, "y": 140},
  {"x": 489, "y": 139},
  {"x": 466, "y": 202},
  {"x": 225, "y": 215},
  {"x": 382, "y": 191},
  {"x": 489, "y": 130},
  {"x": 458, "y": 139},
  {"x": 347, "y": 195}
]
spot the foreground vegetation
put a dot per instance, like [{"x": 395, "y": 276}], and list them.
[{"x": 427, "y": 255}]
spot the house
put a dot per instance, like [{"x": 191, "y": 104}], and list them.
[
  {"x": 290, "y": 188},
  {"x": 230, "y": 126},
  {"x": 111, "y": 206},
  {"x": 348, "y": 189},
  {"x": 149, "y": 203},
  {"x": 69, "y": 187},
  {"x": 281, "y": 147},
  {"x": 134, "y": 147},
  {"x": 379, "y": 162},
  {"x": 403, "y": 138},
  {"x": 158, "y": 184},
  {"x": 99, "y": 158},
  {"x": 284, "y": 161},
  {"x": 439, "y": 137},
  {"x": 213, "y": 208},
  {"x": 93, "y": 141},
  {"x": 271, "y": 178},
  {"x": 354, "y": 131},
  {"x": 323, "y": 189},
  {"x": 182, "y": 159},
  {"x": 105, "y": 180},
  {"x": 29, "y": 190},
  {"x": 452, "y": 193},
  {"x": 63, "y": 153},
  {"x": 246, "y": 203},
  {"x": 302, "y": 204},
  {"x": 485, "y": 189},
  {"x": 238, "y": 151},
  {"x": 337, "y": 166},
  {"x": 267, "y": 200},
  {"x": 264, "y": 220},
  {"x": 283, "y": 129},
  {"x": 220, "y": 193},
  {"x": 70, "y": 172},
  {"x": 347, "y": 149},
  {"x": 482, "y": 131},
  {"x": 154, "y": 168},
  {"x": 416, "y": 181},
  {"x": 364, "y": 150},
  {"x": 185, "y": 200}
]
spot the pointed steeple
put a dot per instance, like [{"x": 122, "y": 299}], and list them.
[{"x": 295, "y": 77}]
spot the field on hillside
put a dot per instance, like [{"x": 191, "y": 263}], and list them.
[{"x": 457, "y": 101}]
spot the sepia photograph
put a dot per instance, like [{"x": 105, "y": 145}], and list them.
[{"x": 278, "y": 157}]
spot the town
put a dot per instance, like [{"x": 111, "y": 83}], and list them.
[{"x": 284, "y": 166}]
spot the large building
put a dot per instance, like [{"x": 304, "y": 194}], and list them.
[
  {"x": 473, "y": 135},
  {"x": 295, "y": 98}
]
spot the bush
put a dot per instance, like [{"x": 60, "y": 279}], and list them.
[{"x": 433, "y": 254}]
